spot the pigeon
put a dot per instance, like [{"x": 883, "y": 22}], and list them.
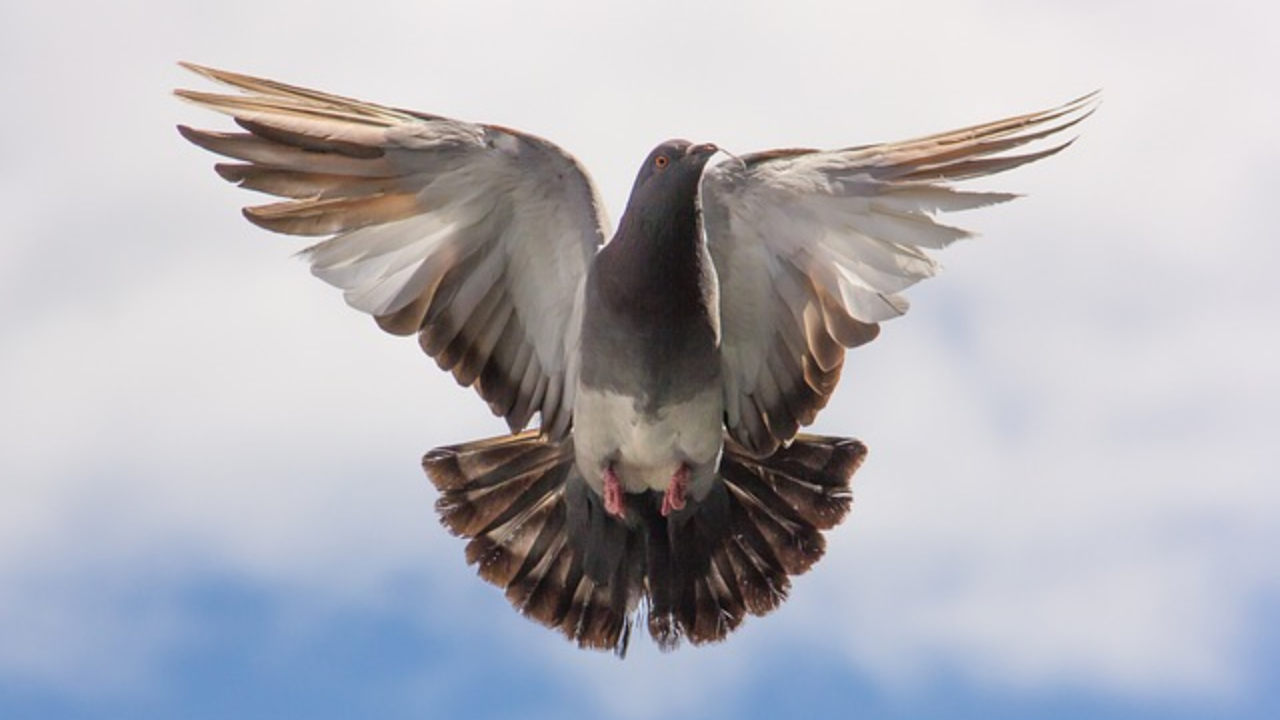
[{"x": 671, "y": 364}]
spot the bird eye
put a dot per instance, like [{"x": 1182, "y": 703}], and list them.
[{"x": 661, "y": 162}]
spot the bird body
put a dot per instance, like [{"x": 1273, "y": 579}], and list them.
[
  {"x": 671, "y": 368},
  {"x": 648, "y": 399}
]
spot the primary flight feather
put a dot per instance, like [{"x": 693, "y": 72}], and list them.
[{"x": 671, "y": 368}]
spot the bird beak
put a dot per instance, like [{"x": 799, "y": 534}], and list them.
[{"x": 705, "y": 149}]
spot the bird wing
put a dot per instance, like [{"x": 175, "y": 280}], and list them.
[
  {"x": 475, "y": 237},
  {"x": 812, "y": 248}
]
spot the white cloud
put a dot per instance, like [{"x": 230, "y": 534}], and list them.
[{"x": 1072, "y": 471}]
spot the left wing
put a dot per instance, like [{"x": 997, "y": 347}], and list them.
[
  {"x": 475, "y": 237},
  {"x": 813, "y": 247}
]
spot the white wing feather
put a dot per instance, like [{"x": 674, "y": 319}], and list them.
[
  {"x": 812, "y": 249},
  {"x": 474, "y": 236}
]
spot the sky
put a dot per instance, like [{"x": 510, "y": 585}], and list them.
[{"x": 212, "y": 500}]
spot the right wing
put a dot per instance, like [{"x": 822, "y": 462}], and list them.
[
  {"x": 812, "y": 248},
  {"x": 475, "y": 237}
]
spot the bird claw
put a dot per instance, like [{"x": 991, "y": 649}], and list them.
[
  {"x": 674, "y": 498},
  {"x": 614, "y": 500}
]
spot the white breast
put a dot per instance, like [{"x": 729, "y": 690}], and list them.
[{"x": 646, "y": 450}]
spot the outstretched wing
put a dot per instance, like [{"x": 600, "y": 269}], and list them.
[
  {"x": 812, "y": 247},
  {"x": 475, "y": 237}
]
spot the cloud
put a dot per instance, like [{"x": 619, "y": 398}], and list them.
[{"x": 1071, "y": 474}]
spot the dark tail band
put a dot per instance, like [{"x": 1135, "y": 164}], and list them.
[{"x": 537, "y": 531}]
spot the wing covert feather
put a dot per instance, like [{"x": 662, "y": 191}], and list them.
[
  {"x": 476, "y": 237},
  {"x": 816, "y": 245}
]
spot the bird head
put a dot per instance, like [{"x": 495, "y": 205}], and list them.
[{"x": 674, "y": 168}]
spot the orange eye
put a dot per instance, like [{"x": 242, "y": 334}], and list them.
[{"x": 661, "y": 162}]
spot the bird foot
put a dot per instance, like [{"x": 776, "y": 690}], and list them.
[
  {"x": 673, "y": 499},
  {"x": 614, "y": 500}
]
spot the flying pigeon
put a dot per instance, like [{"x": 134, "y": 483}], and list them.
[{"x": 671, "y": 363}]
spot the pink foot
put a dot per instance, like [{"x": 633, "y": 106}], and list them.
[
  {"x": 673, "y": 498},
  {"x": 614, "y": 503}
]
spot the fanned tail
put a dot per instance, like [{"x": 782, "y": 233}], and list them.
[
  {"x": 508, "y": 495},
  {"x": 537, "y": 531},
  {"x": 735, "y": 553}
]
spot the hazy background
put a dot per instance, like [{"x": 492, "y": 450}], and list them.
[{"x": 212, "y": 505}]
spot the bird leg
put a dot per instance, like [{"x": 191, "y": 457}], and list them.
[
  {"x": 673, "y": 498},
  {"x": 614, "y": 501}
]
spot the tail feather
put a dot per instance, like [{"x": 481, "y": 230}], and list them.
[
  {"x": 811, "y": 475},
  {"x": 507, "y": 495},
  {"x": 734, "y": 554},
  {"x": 537, "y": 531},
  {"x": 483, "y": 481},
  {"x": 780, "y": 535}
]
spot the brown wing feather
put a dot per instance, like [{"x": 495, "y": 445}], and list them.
[
  {"x": 834, "y": 236},
  {"x": 413, "y": 202}
]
